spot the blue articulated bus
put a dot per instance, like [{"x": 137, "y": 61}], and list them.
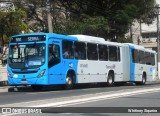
[{"x": 40, "y": 59}]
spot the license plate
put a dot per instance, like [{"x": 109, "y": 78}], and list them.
[{"x": 24, "y": 81}]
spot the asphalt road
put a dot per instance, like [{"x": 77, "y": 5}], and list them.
[
  {"x": 85, "y": 96},
  {"x": 27, "y": 94}
]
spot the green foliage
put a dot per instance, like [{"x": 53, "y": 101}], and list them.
[
  {"x": 12, "y": 23},
  {"x": 104, "y": 18},
  {"x": 124, "y": 40},
  {"x": 95, "y": 26},
  {"x": 119, "y": 14}
]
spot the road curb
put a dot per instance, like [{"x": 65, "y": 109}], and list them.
[{"x": 4, "y": 89}]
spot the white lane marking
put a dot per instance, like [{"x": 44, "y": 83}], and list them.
[
  {"x": 70, "y": 104},
  {"x": 83, "y": 97},
  {"x": 97, "y": 98},
  {"x": 92, "y": 99},
  {"x": 45, "y": 92}
]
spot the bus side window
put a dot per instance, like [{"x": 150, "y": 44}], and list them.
[
  {"x": 152, "y": 59},
  {"x": 147, "y": 58},
  {"x": 118, "y": 53},
  {"x": 53, "y": 55},
  {"x": 135, "y": 56},
  {"x": 141, "y": 57},
  {"x": 67, "y": 47},
  {"x": 92, "y": 52},
  {"x": 112, "y": 53},
  {"x": 80, "y": 50},
  {"x": 103, "y": 52}
]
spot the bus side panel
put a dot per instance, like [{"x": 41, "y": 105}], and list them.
[
  {"x": 90, "y": 71},
  {"x": 125, "y": 63},
  {"x": 152, "y": 71},
  {"x": 97, "y": 71},
  {"x": 58, "y": 73}
]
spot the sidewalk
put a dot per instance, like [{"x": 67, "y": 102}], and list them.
[
  {"x": 3, "y": 75},
  {"x": 4, "y": 88}
]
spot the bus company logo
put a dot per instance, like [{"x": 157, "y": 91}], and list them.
[
  {"x": 111, "y": 67},
  {"x": 84, "y": 65},
  {"x": 70, "y": 64}
]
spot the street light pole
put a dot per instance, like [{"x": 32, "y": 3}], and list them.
[{"x": 49, "y": 19}]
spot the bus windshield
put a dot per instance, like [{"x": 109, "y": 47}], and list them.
[{"x": 27, "y": 56}]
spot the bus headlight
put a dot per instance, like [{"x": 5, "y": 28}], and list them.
[
  {"x": 9, "y": 74},
  {"x": 41, "y": 73}
]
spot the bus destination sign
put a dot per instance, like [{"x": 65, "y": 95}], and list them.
[{"x": 34, "y": 38}]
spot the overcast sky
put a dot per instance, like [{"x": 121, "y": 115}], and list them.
[{"x": 158, "y": 1}]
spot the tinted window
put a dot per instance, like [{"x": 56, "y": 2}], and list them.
[
  {"x": 92, "y": 51},
  {"x": 80, "y": 50},
  {"x": 142, "y": 57},
  {"x": 67, "y": 47},
  {"x": 103, "y": 52},
  {"x": 53, "y": 55},
  {"x": 152, "y": 59},
  {"x": 148, "y": 58},
  {"x": 118, "y": 52},
  {"x": 113, "y": 53},
  {"x": 135, "y": 56}
]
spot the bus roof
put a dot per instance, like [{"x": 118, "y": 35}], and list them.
[
  {"x": 139, "y": 47},
  {"x": 48, "y": 35},
  {"x": 87, "y": 38}
]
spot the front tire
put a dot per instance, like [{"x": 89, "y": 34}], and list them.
[{"x": 69, "y": 82}]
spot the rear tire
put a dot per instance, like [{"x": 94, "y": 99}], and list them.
[
  {"x": 110, "y": 80},
  {"x": 143, "y": 82}
]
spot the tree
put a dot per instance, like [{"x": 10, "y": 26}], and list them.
[
  {"x": 105, "y": 18},
  {"x": 119, "y": 14},
  {"x": 12, "y": 23}
]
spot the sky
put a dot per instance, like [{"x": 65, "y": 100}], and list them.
[{"x": 152, "y": 27}]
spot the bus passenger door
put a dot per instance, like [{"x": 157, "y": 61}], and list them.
[{"x": 54, "y": 59}]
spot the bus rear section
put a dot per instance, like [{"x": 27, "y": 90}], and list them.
[{"x": 143, "y": 65}]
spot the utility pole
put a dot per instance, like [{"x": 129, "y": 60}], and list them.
[
  {"x": 131, "y": 35},
  {"x": 140, "y": 27},
  {"x": 50, "y": 27},
  {"x": 158, "y": 54}
]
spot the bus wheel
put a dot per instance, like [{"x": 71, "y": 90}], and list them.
[
  {"x": 69, "y": 82},
  {"x": 37, "y": 87},
  {"x": 110, "y": 80},
  {"x": 143, "y": 82}
]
